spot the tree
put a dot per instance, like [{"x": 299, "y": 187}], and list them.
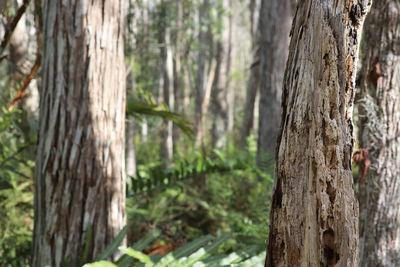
[
  {"x": 80, "y": 173},
  {"x": 275, "y": 21},
  {"x": 314, "y": 215},
  {"x": 379, "y": 112},
  {"x": 221, "y": 78}
]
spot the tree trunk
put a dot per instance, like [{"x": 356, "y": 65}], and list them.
[
  {"x": 221, "y": 82},
  {"x": 203, "y": 40},
  {"x": 379, "y": 111},
  {"x": 275, "y": 22},
  {"x": 253, "y": 84},
  {"x": 80, "y": 170},
  {"x": 130, "y": 150},
  {"x": 167, "y": 96},
  {"x": 314, "y": 216}
]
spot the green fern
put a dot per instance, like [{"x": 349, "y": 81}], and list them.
[
  {"x": 139, "y": 108},
  {"x": 159, "y": 178},
  {"x": 200, "y": 252}
]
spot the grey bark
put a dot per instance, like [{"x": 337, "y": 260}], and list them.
[
  {"x": 203, "y": 39},
  {"x": 80, "y": 166},
  {"x": 379, "y": 112},
  {"x": 253, "y": 84},
  {"x": 314, "y": 215},
  {"x": 167, "y": 95},
  {"x": 221, "y": 82},
  {"x": 275, "y": 22}
]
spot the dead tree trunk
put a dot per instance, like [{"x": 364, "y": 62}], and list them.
[
  {"x": 379, "y": 112},
  {"x": 314, "y": 215},
  {"x": 80, "y": 170}
]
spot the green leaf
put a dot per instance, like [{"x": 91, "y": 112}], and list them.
[
  {"x": 253, "y": 261},
  {"x": 184, "y": 251},
  {"x": 146, "y": 240},
  {"x": 113, "y": 246},
  {"x": 137, "y": 108},
  {"x": 139, "y": 246},
  {"x": 137, "y": 255},
  {"x": 88, "y": 240},
  {"x": 100, "y": 264}
]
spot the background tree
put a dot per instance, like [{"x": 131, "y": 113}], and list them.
[
  {"x": 314, "y": 214},
  {"x": 379, "y": 112},
  {"x": 80, "y": 174},
  {"x": 275, "y": 22}
]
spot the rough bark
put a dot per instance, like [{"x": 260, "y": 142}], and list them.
[
  {"x": 80, "y": 167},
  {"x": 379, "y": 112},
  {"x": 314, "y": 216},
  {"x": 275, "y": 22}
]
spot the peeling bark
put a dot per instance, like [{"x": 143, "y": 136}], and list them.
[
  {"x": 80, "y": 167},
  {"x": 314, "y": 216},
  {"x": 379, "y": 112}
]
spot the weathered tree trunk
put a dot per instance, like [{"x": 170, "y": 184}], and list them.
[
  {"x": 80, "y": 166},
  {"x": 314, "y": 216},
  {"x": 275, "y": 22},
  {"x": 379, "y": 111}
]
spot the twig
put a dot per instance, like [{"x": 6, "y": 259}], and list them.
[
  {"x": 21, "y": 91},
  {"x": 11, "y": 27}
]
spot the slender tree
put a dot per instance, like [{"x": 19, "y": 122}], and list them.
[
  {"x": 80, "y": 172},
  {"x": 167, "y": 85},
  {"x": 275, "y": 22},
  {"x": 379, "y": 111},
  {"x": 221, "y": 79},
  {"x": 253, "y": 82},
  {"x": 314, "y": 215}
]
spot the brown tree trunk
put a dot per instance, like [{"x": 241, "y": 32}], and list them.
[
  {"x": 314, "y": 216},
  {"x": 275, "y": 22},
  {"x": 80, "y": 170},
  {"x": 379, "y": 111}
]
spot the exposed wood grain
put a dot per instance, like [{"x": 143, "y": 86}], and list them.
[{"x": 314, "y": 216}]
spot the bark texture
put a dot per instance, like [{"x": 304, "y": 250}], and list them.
[
  {"x": 80, "y": 169},
  {"x": 379, "y": 111},
  {"x": 314, "y": 216},
  {"x": 275, "y": 22}
]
